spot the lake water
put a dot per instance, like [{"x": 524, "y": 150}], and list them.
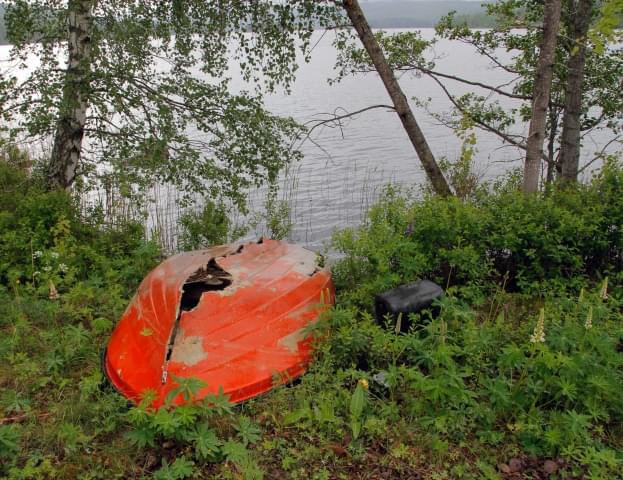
[
  {"x": 344, "y": 170},
  {"x": 336, "y": 183}
]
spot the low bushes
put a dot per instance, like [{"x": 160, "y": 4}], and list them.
[
  {"x": 558, "y": 241},
  {"x": 44, "y": 236},
  {"x": 515, "y": 377},
  {"x": 525, "y": 359},
  {"x": 523, "y": 367}
]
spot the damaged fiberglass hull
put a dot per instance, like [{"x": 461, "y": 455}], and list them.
[{"x": 233, "y": 316}]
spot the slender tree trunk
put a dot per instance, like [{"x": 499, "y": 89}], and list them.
[
  {"x": 434, "y": 173},
  {"x": 581, "y": 14},
  {"x": 541, "y": 93},
  {"x": 73, "y": 110},
  {"x": 551, "y": 144}
]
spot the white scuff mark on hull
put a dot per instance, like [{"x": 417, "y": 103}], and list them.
[
  {"x": 291, "y": 341},
  {"x": 188, "y": 350}
]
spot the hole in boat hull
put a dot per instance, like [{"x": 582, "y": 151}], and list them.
[{"x": 206, "y": 279}]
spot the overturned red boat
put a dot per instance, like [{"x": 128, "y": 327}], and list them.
[{"x": 234, "y": 316}]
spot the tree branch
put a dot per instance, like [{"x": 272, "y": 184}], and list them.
[
  {"x": 491, "y": 88},
  {"x": 483, "y": 51},
  {"x": 484, "y": 126},
  {"x": 600, "y": 153},
  {"x": 336, "y": 120}
]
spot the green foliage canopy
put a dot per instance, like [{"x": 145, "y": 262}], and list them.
[
  {"x": 511, "y": 45},
  {"x": 553, "y": 242},
  {"x": 158, "y": 84}
]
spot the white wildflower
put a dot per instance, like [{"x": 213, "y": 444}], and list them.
[
  {"x": 588, "y": 324},
  {"x": 53, "y": 292},
  {"x": 62, "y": 267},
  {"x": 538, "y": 336},
  {"x": 36, "y": 273},
  {"x": 37, "y": 254},
  {"x": 603, "y": 292},
  {"x": 54, "y": 255},
  {"x": 47, "y": 268}
]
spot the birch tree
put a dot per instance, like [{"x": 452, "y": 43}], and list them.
[
  {"x": 580, "y": 14},
  {"x": 512, "y": 46},
  {"x": 541, "y": 96},
  {"x": 140, "y": 89}
]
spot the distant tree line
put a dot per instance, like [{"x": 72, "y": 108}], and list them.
[{"x": 397, "y": 14}]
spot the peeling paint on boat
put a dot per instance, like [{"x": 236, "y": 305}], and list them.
[{"x": 234, "y": 316}]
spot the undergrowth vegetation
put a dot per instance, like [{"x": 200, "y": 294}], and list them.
[{"x": 519, "y": 373}]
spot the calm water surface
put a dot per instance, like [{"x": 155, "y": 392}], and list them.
[{"x": 347, "y": 168}]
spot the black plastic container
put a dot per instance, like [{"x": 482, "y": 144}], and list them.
[{"x": 406, "y": 299}]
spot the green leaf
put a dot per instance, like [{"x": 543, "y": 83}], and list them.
[
  {"x": 488, "y": 471},
  {"x": 248, "y": 432},
  {"x": 207, "y": 444},
  {"x": 165, "y": 422},
  {"x": 181, "y": 468},
  {"x": 554, "y": 437},
  {"x": 567, "y": 389},
  {"x": 235, "y": 451},
  {"x": 147, "y": 398},
  {"x": 218, "y": 403},
  {"x": 297, "y": 415},
  {"x": 355, "y": 426},
  {"x": 188, "y": 387},
  {"x": 142, "y": 437},
  {"x": 577, "y": 423},
  {"x": 357, "y": 402},
  {"x": 9, "y": 439}
]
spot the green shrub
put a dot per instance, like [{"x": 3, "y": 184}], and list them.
[
  {"x": 44, "y": 237},
  {"x": 210, "y": 226},
  {"x": 532, "y": 244},
  {"x": 521, "y": 357},
  {"x": 65, "y": 278},
  {"x": 193, "y": 426},
  {"x": 546, "y": 381}
]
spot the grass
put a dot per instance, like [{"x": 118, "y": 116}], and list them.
[{"x": 519, "y": 376}]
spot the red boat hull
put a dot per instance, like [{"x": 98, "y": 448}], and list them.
[{"x": 246, "y": 334}]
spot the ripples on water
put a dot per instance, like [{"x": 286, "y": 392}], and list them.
[{"x": 337, "y": 182}]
